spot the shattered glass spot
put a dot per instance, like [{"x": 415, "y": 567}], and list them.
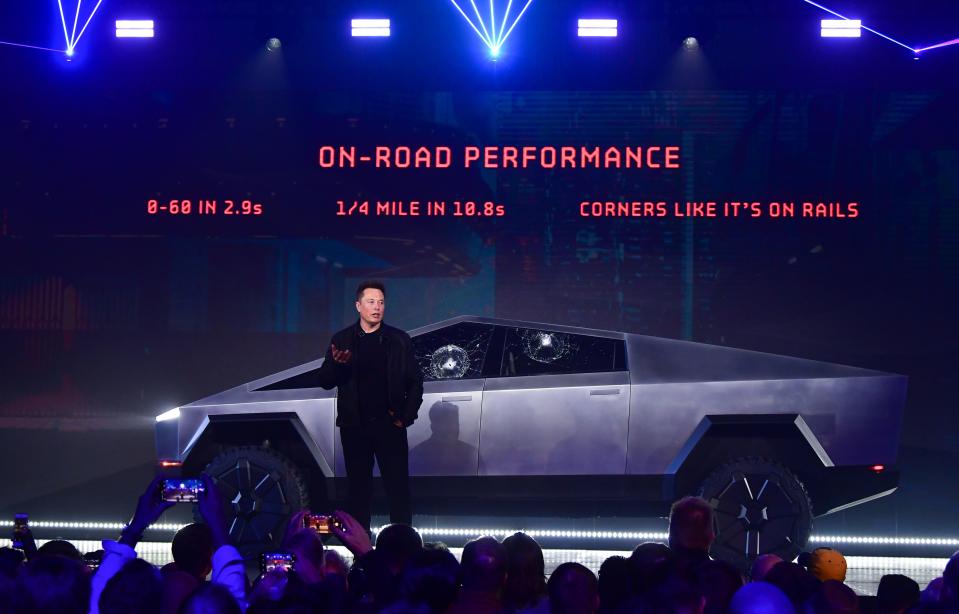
[
  {"x": 453, "y": 352},
  {"x": 449, "y": 362},
  {"x": 545, "y": 346}
]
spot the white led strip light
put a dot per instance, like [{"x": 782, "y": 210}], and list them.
[{"x": 540, "y": 533}]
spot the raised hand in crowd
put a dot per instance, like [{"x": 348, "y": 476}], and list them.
[
  {"x": 352, "y": 534},
  {"x": 210, "y": 504},
  {"x": 150, "y": 507}
]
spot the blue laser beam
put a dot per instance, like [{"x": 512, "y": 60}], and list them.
[
  {"x": 84, "y": 29},
  {"x": 478, "y": 33},
  {"x": 75, "y": 18},
  {"x": 30, "y": 46}
]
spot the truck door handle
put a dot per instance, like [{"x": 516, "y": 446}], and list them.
[
  {"x": 603, "y": 392},
  {"x": 462, "y": 397}
]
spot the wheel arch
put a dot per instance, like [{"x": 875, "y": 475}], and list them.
[
  {"x": 719, "y": 439},
  {"x": 283, "y": 432}
]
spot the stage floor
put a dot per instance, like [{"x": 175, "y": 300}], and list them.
[{"x": 862, "y": 575}]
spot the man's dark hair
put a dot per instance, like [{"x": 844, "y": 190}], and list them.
[
  {"x": 431, "y": 578},
  {"x": 135, "y": 589},
  {"x": 691, "y": 524},
  {"x": 950, "y": 581},
  {"x": 573, "y": 589},
  {"x": 52, "y": 585},
  {"x": 652, "y": 563},
  {"x": 59, "y": 547},
  {"x": 11, "y": 562},
  {"x": 370, "y": 283},
  {"x": 309, "y": 544},
  {"x": 483, "y": 564},
  {"x": 897, "y": 593},
  {"x": 525, "y": 571},
  {"x": 615, "y": 582},
  {"x": 193, "y": 550},
  {"x": 398, "y": 543}
]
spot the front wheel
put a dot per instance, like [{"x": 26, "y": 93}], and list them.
[
  {"x": 760, "y": 507},
  {"x": 261, "y": 489}
]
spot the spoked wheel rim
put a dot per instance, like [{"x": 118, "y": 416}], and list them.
[
  {"x": 760, "y": 508},
  {"x": 257, "y": 499}
]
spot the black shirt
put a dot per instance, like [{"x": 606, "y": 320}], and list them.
[{"x": 371, "y": 375}]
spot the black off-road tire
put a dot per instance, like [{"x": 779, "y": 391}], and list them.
[
  {"x": 760, "y": 507},
  {"x": 261, "y": 489}
]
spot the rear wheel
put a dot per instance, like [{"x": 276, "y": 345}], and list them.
[
  {"x": 261, "y": 489},
  {"x": 761, "y": 507}
]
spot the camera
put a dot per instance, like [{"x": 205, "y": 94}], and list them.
[
  {"x": 322, "y": 523},
  {"x": 181, "y": 490},
  {"x": 282, "y": 561}
]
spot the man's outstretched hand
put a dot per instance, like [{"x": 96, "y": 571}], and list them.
[
  {"x": 149, "y": 508},
  {"x": 340, "y": 356}
]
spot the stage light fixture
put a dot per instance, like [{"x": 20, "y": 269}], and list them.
[
  {"x": 370, "y": 27},
  {"x": 840, "y": 28},
  {"x": 273, "y": 44},
  {"x": 134, "y": 28},
  {"x": 690, "y": 43},
  {"x": 501, "y": 23},
  {"x": 598, "y": 27}
]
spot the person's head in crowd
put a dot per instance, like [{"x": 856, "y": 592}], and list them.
[
  {"x": 932, "y": 592},
  {"x": 52, "y": 585},
  {"x": 307, "y": 547},
  {"x": 950, "y": 581},
  {"x": 762, "y": 565},
  {"x": 573, "y": 589},
  {"x": 717, "y": 581},
  {"x": 760, "y": 598},
  {"x": 483, "y": 565},
  {"x": 794, "y": 580},
  {"x": 210, "y": 599},
  {"x": 60, "y": 547},
  {"x": 833, "y": 597},
  {"x": 193, "y": 550},
  {"x": 431, "y": 579},
  {"x": 691, "y": 525},
  {"x": 615, "y": 583},
  {"x": 652, "y": 563},
  {"x": 135, "y": 589},
  {"x": 525, "y": 571},
  {"x": 825, "y": 564},
  {"x": 11, "y": 561},
  {"x": 398, "y": 543},
  {"x": 177, "y": 586},
  {"x": 896, "y": 594},
  {"x": 334, "y": 564}
]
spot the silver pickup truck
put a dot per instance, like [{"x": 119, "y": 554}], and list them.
[{"x": 520, "y": 417}]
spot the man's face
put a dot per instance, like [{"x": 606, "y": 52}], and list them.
[{"x": 371, "y": 306}]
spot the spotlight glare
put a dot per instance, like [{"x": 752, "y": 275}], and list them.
[
  {"x": 598, "y": 27},
  {"x": 273, "y": 44},
  {"x": 370, "y": 27},
  {"x": 840, "y": 28},
  {"x": 690, "y": 43}
]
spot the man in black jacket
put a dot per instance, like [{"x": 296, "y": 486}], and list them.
[{"x": 379, "y": 392}]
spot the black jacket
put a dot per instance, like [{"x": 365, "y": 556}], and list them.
[{"x": 404, "y": 382}]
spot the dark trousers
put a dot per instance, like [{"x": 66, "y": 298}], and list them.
[{"x": 388, "y": 444}]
